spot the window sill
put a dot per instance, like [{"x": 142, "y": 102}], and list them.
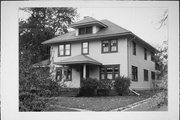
[{"x": 109, "y": 52}]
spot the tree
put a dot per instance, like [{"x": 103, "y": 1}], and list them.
[{"x": 43, "y": 24}]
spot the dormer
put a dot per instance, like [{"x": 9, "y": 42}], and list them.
[{"x": 88, "y": 25}]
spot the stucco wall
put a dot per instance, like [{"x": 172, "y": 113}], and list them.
[{"x": 142, "y": 64}]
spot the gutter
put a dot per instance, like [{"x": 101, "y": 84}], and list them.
[{"x": 86, "y": 38}]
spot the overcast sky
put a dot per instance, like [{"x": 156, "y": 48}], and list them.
[{"x": 141, "y": 21}]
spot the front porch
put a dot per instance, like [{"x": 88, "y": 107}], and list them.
[{"x": 70, "y": 71}]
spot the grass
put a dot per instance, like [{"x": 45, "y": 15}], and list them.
[{"x": 95, "y": 103}]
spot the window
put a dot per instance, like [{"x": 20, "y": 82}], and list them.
[
  {"x": 145, "y": 75},
  {"x": 134, "y": 48},
  {"x": 85, "y": 30},
  {"x": 58, "y": 74},
  {"x": 153, "y": 75},
  {"x": 67, "y": 74},
  {"x": 152, "y": 56},
  {"x": 65, "y": 50},
  {"x": 109, "y": 72},
  {"x": 145, "y": 53},
  {"x": 85, "y": 48},
  {"x": 134, "y": 73},
  {"x": 109, "y": 46}
]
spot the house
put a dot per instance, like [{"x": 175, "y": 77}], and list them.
[{"x": 102, "y": 50}]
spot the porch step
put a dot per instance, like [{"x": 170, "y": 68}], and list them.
[{"x": 69, "y": 92}]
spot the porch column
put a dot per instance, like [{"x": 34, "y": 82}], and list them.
[
  {"x": 84, "y": 71},
  {"x": 63, "y": 73}
]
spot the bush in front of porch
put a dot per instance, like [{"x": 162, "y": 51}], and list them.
[
  {"x": 95, "y": 87},
  {"x": 122, "y": 85}
]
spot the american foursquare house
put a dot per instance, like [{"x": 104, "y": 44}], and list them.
[{"x": 102, "y": 50}]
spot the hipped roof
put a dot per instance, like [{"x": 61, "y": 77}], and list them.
[
  {"x": 112, "y": 30},
  {"x": 79, "y": 59}
]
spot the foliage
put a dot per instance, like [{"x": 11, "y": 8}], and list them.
[
  {"x": 43, "y": 24},
  {"x": 161, "y": 59},
  {"x": 31, "y": 102},
  {"x": 122, "y": 85},
  {"x": 104, "y": 87},
  {"x": 88, "y": 87}
]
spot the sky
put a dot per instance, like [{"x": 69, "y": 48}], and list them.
[{"x": 141, "y": 21}]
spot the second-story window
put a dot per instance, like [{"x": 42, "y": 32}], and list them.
[
  {"x": 85, "y": 48},
  {"x": 109, "y": 46},
  {"x": 134, "y": 48},
  {"x": 152, "y": 56},
  {"x": 145, "y": 53},
  {"x": 85, "y": 30},
  {"x": 65, "y": 50}
]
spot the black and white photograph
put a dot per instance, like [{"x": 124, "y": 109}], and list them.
[{"x": 110, "y": 59}]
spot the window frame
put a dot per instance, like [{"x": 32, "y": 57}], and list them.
[
  {"x": 134, "y": 48},
  {"x": 146, "y": 76},
  {"x": 59, "y": 69},
  {"x": 113, "y": 71},
  {"x": 109, "y": 46},
  {"x": 152, "y": 56},
  {"x": 85, "y": 30},
  {"x": 152, "y": 75},
  {"x": 83, "y": 48},
  {"x": 134, "y": 67},
  {"x": 64, "y": 50},
  {"x": 66, "y": 69},
  {"x": 145, "y": 54}
]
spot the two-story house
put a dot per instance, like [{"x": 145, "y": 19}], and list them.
[{"x": 102, "y": 50}]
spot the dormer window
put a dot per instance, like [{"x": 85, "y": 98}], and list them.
[{"x": 85, "y": 30}]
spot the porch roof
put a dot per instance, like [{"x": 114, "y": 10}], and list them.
[{"x": 79, "y": 59}]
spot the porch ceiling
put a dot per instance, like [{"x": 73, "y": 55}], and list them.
[{"x": 79, "y": 59}]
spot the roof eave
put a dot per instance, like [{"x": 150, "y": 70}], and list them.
[
  {"x": 87, "y": 23},
  {"x": 86, "y": 38},
  {"x": 144, "y": 42}
]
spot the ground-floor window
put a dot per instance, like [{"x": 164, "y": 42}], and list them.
[
  {"x": 134, "y": 73},
  {"x": 152, "y": 75},
  {"x": 109, "y": 72},
  {"x": 145, "y": 75},
  {"x": 67, "y": 74}
]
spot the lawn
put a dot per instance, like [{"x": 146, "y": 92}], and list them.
[{"x": 95, "y": 103}]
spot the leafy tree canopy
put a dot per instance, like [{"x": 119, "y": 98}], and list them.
[{"x": 43, "y": 24}]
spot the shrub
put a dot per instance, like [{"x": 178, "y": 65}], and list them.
[
  {"x": 47, "y": 88},
  {"x": 88, "y": 87},
  {"x": 31, "y": 102},
  {"x": 121, "y": 85},
  {"x": 104, "y": 87}
]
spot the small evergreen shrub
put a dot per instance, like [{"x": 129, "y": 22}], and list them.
[
  {"x": 122, "y": 85},
  {"x": 104, "y": 87},
  {"x": 88, "y": 87}
]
